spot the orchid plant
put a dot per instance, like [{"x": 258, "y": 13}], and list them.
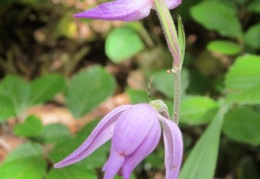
[{"x": 131, "y": 141}]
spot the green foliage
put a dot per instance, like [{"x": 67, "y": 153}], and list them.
[
  {"x": 197, "y": 109},
  {"x": 44, "y": 88},
  {"x": 17, "y": 95},
  {"x": 73, "y": 171},
  {"x": 202, "y": 160},
  {"x": 243, "y": 82},
  {"x": 224, "y": 47},
  {"x": 123, "y": 43},
  {"x": 181, "y": 38},
  {"x": 24, "y": 162},
  {"x": 219, "y": 17},
  {"x": 243, "y": 124},
  {"x": 7, "y": 108},
  {"x": 54, "y": 133},
  {"x": 252, "y": 36},
  {"x": 87, "y": 89},
  {"x": 137, "y": 96},
  {"x": 17, "y": 91},
  {"x": 31, "y": 127}
]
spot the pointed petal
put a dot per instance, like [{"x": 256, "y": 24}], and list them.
[
  {"x": 132, "y": 127},
  {"x": 172, "y": 3},
  {"x": 125, "y": 10},
  {"x": 101, "y": 134},
  {"x": 147, "y": 146},
  {"x": 173, "y": 147},
  {"x": 113, "y": 164}
]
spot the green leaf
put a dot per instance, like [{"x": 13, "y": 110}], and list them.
[
  {"x": 197, "y": 110},
  {"x": 7, "y": 108},
  {"x": 242, "y": 80},
  {"x": 163, "y": 82},
  {"x": 72, "y": 172},
  {"x": 25, "y": 162},
  {"x": 242, "y": 125},
  {"x": 88, "y": 89},
  {"x": 17, "y": 91},
  {"x": 252, "y": 36},
  {"x": 245, "y": 96},
  {"x": 224, "y": 47},
  {"x": 55, "y": 133},
  {"x": 202, "y": 160},
  {"x": 181, "y": 38},
  {"x": 123, "y": 43},
  {"x": 45, "y": 88},
  {"x": 31, "y": 127},
  {"x": 217, "y": 16},
  {"x": 137, "y": 96}
]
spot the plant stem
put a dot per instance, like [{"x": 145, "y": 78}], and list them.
[
  {"x": 173, "y": 45},
  {"x": 177, "y": 96}
]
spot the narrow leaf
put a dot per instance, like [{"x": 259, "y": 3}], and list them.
[
  {"x": 201, "y": 162},
  {"x": 181, "y": 38}
]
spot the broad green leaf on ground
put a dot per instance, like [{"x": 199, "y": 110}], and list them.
[
  {"x": 63, "y": 149},
  {"x": 163, "y": 82},
  {"x": 123, "y": 43},
  {"x": 242, "y": 80},
  {"x": 242, "y": 125},
  {"x": 25, "y": 162},
  {"x": 7, "y": 108},
  {"x": 31, "y": 127},
  {"x": 197, "y": 109},
  {"x": 71, "y": 172},
  {"x": 17, "y": 90},
  {"x": 252, "y": 36},
  {"x": 201, "y": 162},
  {"x": 88, "y": 89},
  {"x": 54, "y": 133},
  {"x": 137, "y": 96},
  {"x": 216, "y": 16},
  {"x": 246, "y": 96},
  {"x": 45, "y": 88},
  {"x": 224, "y": 47}
]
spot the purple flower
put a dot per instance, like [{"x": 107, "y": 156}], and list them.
[
  {"x": 124, "y": 10},
  {"x": 135, "y": 131}
]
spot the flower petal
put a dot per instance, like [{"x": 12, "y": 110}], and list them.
[
  {"x": 173, "y": 147},
  {"x": 101, "y": 134},
  {"x": 113, "y": 164},
  {"x": 172, "y": 3},
  {"x": 125, "y": 10},
  {"x": 132, "y": 127},
  {"x": 147, "y": 146}
]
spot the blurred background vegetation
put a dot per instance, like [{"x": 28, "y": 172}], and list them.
[{"x": 59, "y": 73}]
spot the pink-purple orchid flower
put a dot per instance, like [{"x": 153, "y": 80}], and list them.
[
  {"x": 124, "y": 10},
  {"x": 135, "y": 131}
]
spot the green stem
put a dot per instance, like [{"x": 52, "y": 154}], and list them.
[
  {"x": 177, "y": 96},
  {"x": 173, "y": 45},
  {"x": 169, "y": 31}
]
